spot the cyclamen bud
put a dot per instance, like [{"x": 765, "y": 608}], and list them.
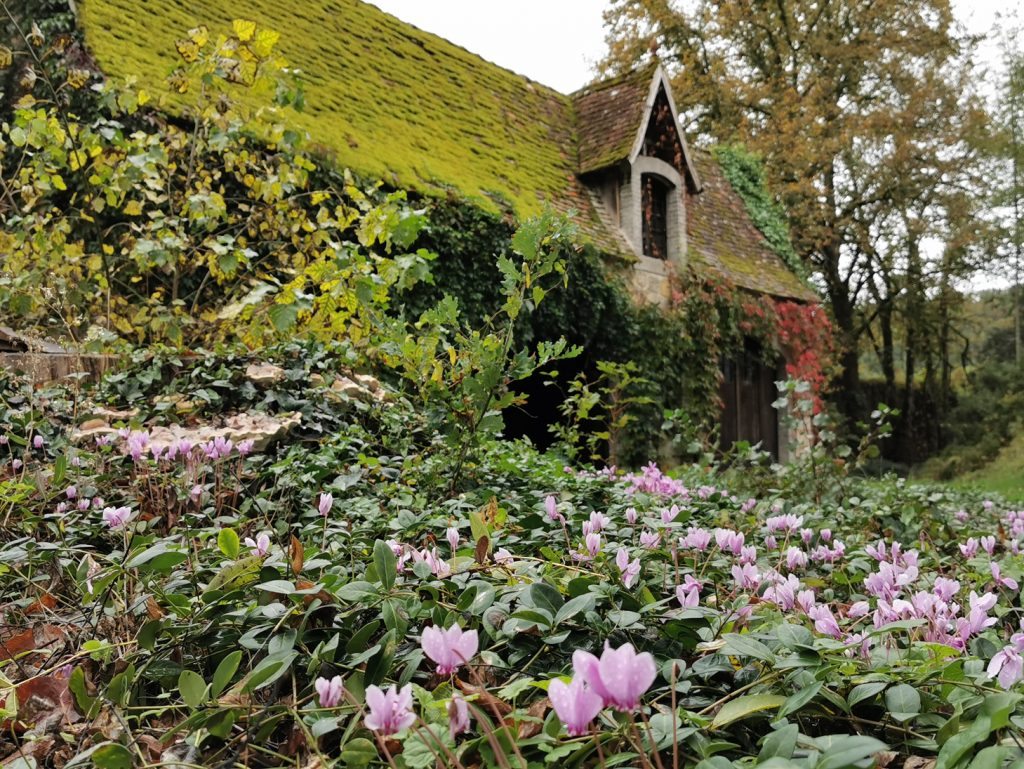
[{"x": 325, "y": 503}]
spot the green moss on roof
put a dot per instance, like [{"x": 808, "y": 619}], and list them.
[{"x": 389, "y": 100}]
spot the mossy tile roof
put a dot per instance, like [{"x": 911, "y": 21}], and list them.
[
  {"x": 722, "y": 239},
  {"x": 609, "y": 114},
  {"x": 388, "y": 99}
]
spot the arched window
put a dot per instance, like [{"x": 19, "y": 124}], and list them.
[{"x": 654, "y": 213}]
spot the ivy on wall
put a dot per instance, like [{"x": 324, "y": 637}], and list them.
[{"x": 745, "y": 173}]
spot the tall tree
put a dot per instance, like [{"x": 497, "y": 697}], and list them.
[
  {"x": 1008, "y": 197},
  {"x": 861, "y": 110}
]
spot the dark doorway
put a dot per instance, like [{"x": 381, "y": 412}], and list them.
[{"x": 748, "y": 391}]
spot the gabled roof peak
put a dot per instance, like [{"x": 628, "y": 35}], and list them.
[{"x": 612, "y": 117}]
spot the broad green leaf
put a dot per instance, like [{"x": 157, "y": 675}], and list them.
[
  {"x": 903, "y": 702},
  {"x": 779, "y": 744},
  {"x": 744, "y": 707},
  {"x": 385, "y": 564},
  {"x": 358, "y": 752},
  {"x": 847, "y": 751},
  {"x": 798, "y": 699},
  {"x": 113, "y": 755},
  {"x": 574, "y": 606},
  {"x": 269, "y": 671},
  {"x": 866, "y": 691},
  {"x": 228, "y": 543},
  {"x": 957, "y": 746},
  {"x": 546, "y": 597},
  {"x": 737, "y": 645},
  {"x": 225, "y": 670},
  {"x": 991, "y": 757},
  {"x": 239, "y": 574},
  {"x": 192, "y": 687}
]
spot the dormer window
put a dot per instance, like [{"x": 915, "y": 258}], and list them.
[{"x": 654, "y": 212}]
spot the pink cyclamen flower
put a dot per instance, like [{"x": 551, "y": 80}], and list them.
[
  {"x": 330, "y": 691},
  {"x": 71, "y": 492},
  {"x": 946, "y": 588},
  {"x": 688, "y": 593},
  {"x": 858, "y": 609},
  {"x": 729, "y": 541},
  {"x": 551, "y": 506},
  {"x": 824, "y": 621},
  {"x": 259, "y": 546},
  {"x": 631, "y": 515},
  {"x": 746, "y": 576},
  {"x": 649, "y": 539},
  {"x": 598, "y": 521},
  {"x": 244, "y": 448},
  {"x": 771, "y": 542},
  {"x": 669, "y": 515},
  {"x": 17, "y": 464},
  {"x": 593, "y": 542},
  {"x": 575, "y": 704},
  {"x": 988, "y": 544},
  {"x": 458, "y": 716},
  {"x": 630, "y": 569},
  {"x": 38, "y": 441},
  {"x": 795, "y": 558},
  {"x": 620, "y": 676},
  {"x": 969, "y": 549},
  {"x": 502, "y": 556},
  {"x": 748, "y": 555},
  {"x": 324, "y": 503},
  {"x": 390, "y": 711},
  {"x": 116, "y": 517},
  {"x": 805, "y": 601},
  {"x": 697, "y": 539},
  {"x": 452, "y": 535},
  {"x": 1002, "y": 581},
  {"x": 449, "y": 648},
  {"x": 1008, "y": 665},
  {"x": 788, "y": 523},
  {"x": 84, "y": 504}
]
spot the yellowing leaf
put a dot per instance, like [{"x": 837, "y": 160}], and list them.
[
  {"x": 244, "y": 29},
  {"x": 6, "y": 57},
  {"x": 265, "y": 41},
  {"x": 199, "y": 35},
  {"x": 187, "y": 49},
  {"x": 133, "y": 208},
  {"x": 143, "y": 96},
  {"x": 58, "y": 182},
  {"x": 76, "y": 159}
]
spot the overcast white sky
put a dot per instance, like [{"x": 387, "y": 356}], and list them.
[{"x": 557, "y": 42}]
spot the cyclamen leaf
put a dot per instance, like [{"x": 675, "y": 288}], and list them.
[
  {"x": 227, "y": 542},
  {"x": 744, "y": 646},
  {"x": 743, "y": 707},
  {"x": 192, "y": 688},
  {"x": 903, "y": 702}
]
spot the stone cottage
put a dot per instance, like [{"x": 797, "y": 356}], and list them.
[{"x": 394, "y": 102}]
